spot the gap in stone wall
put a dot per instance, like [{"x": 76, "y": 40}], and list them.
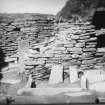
[
  {"x": 16, "y": 29},
  {"x": 101, "y": 41},
  {"x": 99, "y": 19}
]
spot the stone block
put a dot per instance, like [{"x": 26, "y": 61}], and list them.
[
  {"x": 74, "y": 49},
  {"x": 73, "y": 74},
  {"x": 101, "y": 49},
  {"x": 88, "y": 61},
  {"x": 56, "y": 75},
  {"x": 89, "y": 49},
  {"x": 94, "y": 76},
  {"x": 75, "y": 37},
  {"x": 80, "y": 45}
]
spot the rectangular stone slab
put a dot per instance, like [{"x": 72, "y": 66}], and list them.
[{"x": 56, "y": 75}]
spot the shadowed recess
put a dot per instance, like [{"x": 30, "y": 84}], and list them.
[
  {"x": 101, "y": 41},
  {"x": 2, "y": 62},
  {"x": 99, "y": 19}
]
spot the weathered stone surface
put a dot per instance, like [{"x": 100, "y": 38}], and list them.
[
  {"x": 75, "y": 37},
  {"x": 80, "y": 45},
  {"x": 73, "y": 74},
  {"x": 101, "y": 50},
  {"x": 89, "y": 49},
  {"x": 51, "y": 42},
  {"x": 94, "y": 76},
  {"x": 75, "y": 55},
  {"x": 56, "y": 75},
  {"x": 100, "y": 32},
  {"x": 88, "y": 61},
  {"x": 74, "y": 49},
  {"x": 84, "y": 37}
]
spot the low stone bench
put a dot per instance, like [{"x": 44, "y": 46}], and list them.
[
  {"x": 82, "y": 97},
  {"x": 56, "y": 95}
]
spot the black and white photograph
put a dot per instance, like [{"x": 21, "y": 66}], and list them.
[{"x": 52, "y": 52}]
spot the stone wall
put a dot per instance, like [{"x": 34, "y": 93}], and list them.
[
  {"x": 73, "y": 44},
  {"x": 80, "y": 41},
  {"x": 50, "y": 42},
  {"x": 34, "y": 28}
]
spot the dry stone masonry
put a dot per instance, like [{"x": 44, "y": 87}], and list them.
[
  {"x": 23, "y": 26},
  {"x": 51, "y": 43}
]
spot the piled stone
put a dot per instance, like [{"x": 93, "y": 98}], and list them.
[
  {"x": 35, "y": 28},
  {"x": 81, "y": 44},
  {"x": 36, "y": 65},
  {"x": 79, "y": 40},
  {"x": 74, "y": 43},
  {"x": 51, "y": 43}
]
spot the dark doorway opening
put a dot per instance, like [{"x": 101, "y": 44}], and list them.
[
  {"x": 101, "y": 41},
  {"x": 99, "y": 19}
]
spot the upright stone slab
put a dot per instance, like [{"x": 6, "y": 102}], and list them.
[
  {"x": 83, "y": 82},
  {"x": 29, "y": 82},
  {"x": 23, "y": 49},
  {"x": 56, "y": 75},
  {"x": 73, "y": 74}
]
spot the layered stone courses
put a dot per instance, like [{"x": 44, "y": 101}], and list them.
[{"x": 51, "y": 42}]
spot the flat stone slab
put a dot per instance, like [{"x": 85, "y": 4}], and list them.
[
  {"x": 99, "y": 87},
  {"x": 46, "y": 91},
  {"x": 55, "y": 95},
  {"x": 101, "y": 100},
  {"x": 10, "y": 81}
]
